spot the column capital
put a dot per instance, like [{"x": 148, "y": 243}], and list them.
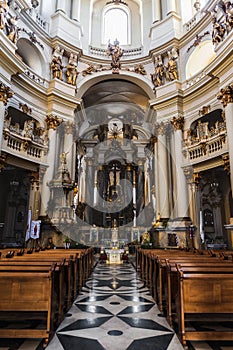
[
  {"x": 177, "y": 123},
  {"x": 226, "y": 95},
  {"x": 192, "y": 178},
  {"x": 162, "y": 128},
  {"x": 5, "y": 93},
  {"x": 69, "y": 127},
  {"x": 52, "y": 121}
]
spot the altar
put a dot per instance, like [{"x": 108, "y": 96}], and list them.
[{"x": 114, "y": 255}]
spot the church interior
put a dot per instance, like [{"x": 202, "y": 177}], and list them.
[{"x": 116, "y": 158}]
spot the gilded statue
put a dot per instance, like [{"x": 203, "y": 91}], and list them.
[
  {"x": 116, "y": 52},
  {"x": 3, "y": 13},
  {"x": 171, "y": 68},
  {"x": 71, "y": 69},
  {"x": 218, "y": 31},
  {"x": 56, "y": 63},
  {"x": 56, "y": 67},
  {"x": 157, "y": 76},
  {"x": 12, "y": 29}
]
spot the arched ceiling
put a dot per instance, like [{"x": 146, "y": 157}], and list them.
[{"x": 116, "y": 98}]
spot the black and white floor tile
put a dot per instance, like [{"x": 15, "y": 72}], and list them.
[{"x": 115, "y": 311}]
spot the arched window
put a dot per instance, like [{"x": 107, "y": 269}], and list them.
[{"x": 116, "y": 25}]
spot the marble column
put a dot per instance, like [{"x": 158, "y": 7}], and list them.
[
  {"x": 156, "y": 10},
  {"x": 163, "y": 181},
  {"x": 34, "y": 198},
  {"x": 76, "y": 10},
  {"x": 171, "y": 6},
  {"x": 156, "y": 170},
  {"x": 90, "y": 182},
  {"x": 5, "y": 94},
  {"x": 226, "y": 97},
  {"x": 68, "y": 146},
  {"x": 181, "y": 202},
  {"x": 52, "y": 123},
  {"x": 193, "y": 180}
]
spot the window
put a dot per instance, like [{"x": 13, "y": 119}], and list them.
[{"x": 116, "y": 25}]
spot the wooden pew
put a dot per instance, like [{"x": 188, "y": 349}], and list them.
[
  {"x": 171, "y": 284},
  {"x": 60, "y": 278},
  {"x": 203, "y": 293},
  {"x": 166, "y": 278},
  {"x": 28, "y": 292}
]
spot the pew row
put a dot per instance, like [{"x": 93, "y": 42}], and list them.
[
  {"x": 26, "y": 293},
  {"x": 203, "y": 293}
]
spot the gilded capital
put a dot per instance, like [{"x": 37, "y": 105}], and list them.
[
  {"x": 52, "y": 121},
  {"x": 188, "y": 172},
  {"x": 69, "y": 128},
  {"x": 226, "y": 95},
  {"x": 162, "y": 128},
  {"x": 177, "y": 123},
  {"x": 5, "y": 93}
]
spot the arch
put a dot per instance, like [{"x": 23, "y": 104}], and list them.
[
  {"x": 143, "y": 83},
  {"x": 32, "y": 57},
  {"x": 202, "y": 55}
]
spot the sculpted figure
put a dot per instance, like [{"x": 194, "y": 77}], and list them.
[
  {"x": 218, "y": 31},
  {"x": 71, "y": 70},
  {"x": 56, "y": 67},
  {"x": 116, "y": 52},
  {"x": 171, "y": 68},
  {"x": 12, "y": 29},
  {"x": 157, "y": 76},
  {"x": 3, "y": 13}
]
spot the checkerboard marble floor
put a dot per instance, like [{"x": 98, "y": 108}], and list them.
[{"x": 114, "y": 311}]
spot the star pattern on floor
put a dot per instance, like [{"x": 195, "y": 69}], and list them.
[{"x": 114, "y": 311}]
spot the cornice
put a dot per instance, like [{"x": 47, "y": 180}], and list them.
[
  {"x": 201, "y": 25},
  {"x": 8, "y": 58},
  {"x": 36, "y": 28},
  {"x": 29, "y": 88}
]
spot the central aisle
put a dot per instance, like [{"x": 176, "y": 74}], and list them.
[{"x": 114, "y": 311}]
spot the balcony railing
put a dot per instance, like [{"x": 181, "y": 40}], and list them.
[
  {"x": 127, "y": 52},
  {"x": 199, "y": 150},
  {"x": 24, "y": 146}
]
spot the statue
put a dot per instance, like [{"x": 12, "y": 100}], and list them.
[
  {"x": 56, "y": 67},
  {"x": 3, "y": 13},
  {"x": 56, "y": 63},
  {"x": 218, "y": 31},
  {"x": 171, "y": 68},
  {"x": 116, "y": 52},
  {"x": 229, "y": 16},
  {"x": 157, "y": 76},
  {"x": 71, "y": 69},
  {"x": 12, "y": 29}
]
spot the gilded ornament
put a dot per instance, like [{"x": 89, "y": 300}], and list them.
[
  {"x": 177, "y": 123},
  {"x": 226, "y": 95},
  {"x": 53, "y": 121},
  {"x": 25, "y": 108},
  {"x": 5, "y": 93}
]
